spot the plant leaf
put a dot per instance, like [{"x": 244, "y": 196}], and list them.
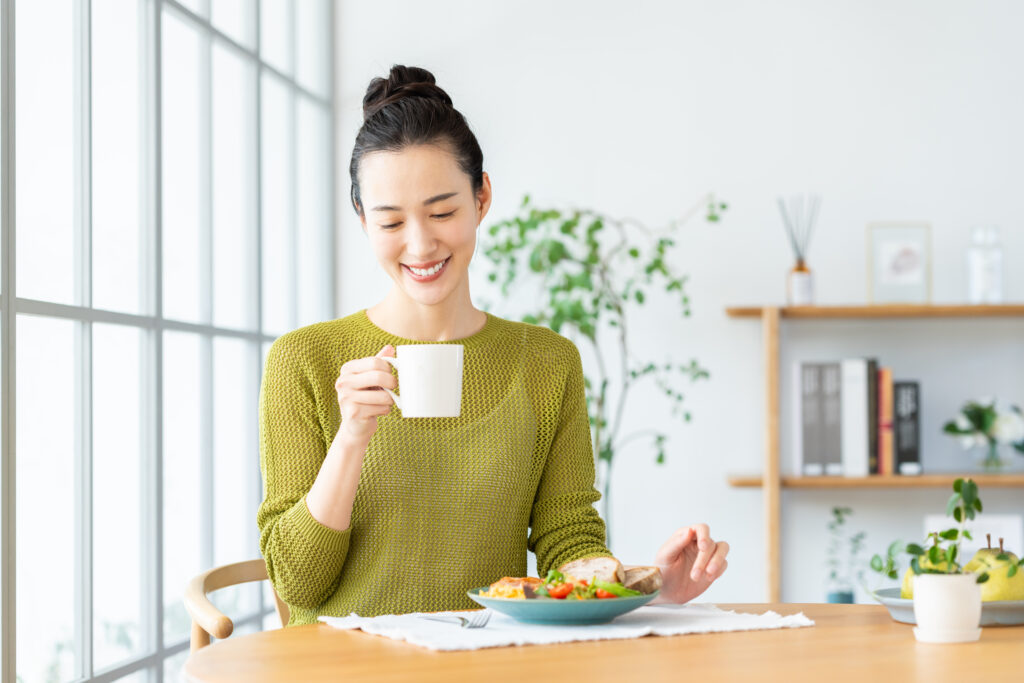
[{"x": 951, "y": 504}]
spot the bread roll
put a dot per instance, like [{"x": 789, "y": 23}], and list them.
[
  {"x": 643, "y": 579},
  {"x": 603, "y": 568}
]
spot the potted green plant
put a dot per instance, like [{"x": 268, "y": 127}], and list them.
[
  {"x": 591, "y": 270},
  {"x": 843, "y": 561},
  {"x": 946, "y": 595}
]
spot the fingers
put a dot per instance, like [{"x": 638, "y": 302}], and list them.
[
  {"x": 369, "y": 397},
  {"x": 358, "y": 386},
  {"x": 705, "y": 550},
  {"x": 718, "y": 563},
  {"x": 371, "y": 363},
  {"x": 362, "y": 373},
  {"x": 673, "y": 548},
  {"x": 369, "y": 379}
]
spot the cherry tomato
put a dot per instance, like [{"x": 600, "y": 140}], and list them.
[
  {"x": 560, "y": 591},
  {"x": 602, "y": 593}
]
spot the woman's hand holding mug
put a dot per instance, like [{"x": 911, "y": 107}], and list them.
[{"x": 360, "y": 397}]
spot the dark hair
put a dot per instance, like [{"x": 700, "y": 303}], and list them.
[{"x": 409, "y": 108}]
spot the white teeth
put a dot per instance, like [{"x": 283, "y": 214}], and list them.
[{"x": 429, "y": 271}]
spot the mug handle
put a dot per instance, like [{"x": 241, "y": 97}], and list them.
[{"x": 394, "y": 397}]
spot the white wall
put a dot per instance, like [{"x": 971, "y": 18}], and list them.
[{"x": 891, "y": 110}]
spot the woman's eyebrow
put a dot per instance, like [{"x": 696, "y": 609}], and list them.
[{"x": 428, "y": 202}]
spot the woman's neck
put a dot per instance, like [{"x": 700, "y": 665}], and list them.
[{"x": 455, "y": 318}]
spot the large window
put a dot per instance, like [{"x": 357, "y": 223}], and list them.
[{"x": 167, "y": 212}]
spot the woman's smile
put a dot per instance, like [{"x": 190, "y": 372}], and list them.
[{"x": 426, "y": 272}]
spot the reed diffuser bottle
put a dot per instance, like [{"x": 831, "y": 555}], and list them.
[{"x": 799, "y": 219}]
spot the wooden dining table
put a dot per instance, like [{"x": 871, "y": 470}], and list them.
[{"x": 847, "y": 643}]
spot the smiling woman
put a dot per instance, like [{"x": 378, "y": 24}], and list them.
[
  {"x": 422, "y": 221},
  {"x": 370, "y": 512}
]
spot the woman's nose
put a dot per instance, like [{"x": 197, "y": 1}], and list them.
[{"x": 421, "y": 241}]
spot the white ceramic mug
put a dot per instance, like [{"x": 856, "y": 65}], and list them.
[{"x": 430, "y": 379}]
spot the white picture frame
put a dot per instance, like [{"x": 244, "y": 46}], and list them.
[{"x": 899, "y": 260}]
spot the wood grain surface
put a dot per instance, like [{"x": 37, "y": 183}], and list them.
[{"x": 848, "y": 643}]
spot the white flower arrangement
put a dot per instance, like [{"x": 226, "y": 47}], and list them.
[{"x": 982, "y": 424}]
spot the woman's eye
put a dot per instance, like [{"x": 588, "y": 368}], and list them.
[
  {"x": 443, "y": 215},
  {"x": 391, "y": 225}
]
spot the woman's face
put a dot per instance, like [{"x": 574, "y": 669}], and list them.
[{"x": 421, "y": 216}]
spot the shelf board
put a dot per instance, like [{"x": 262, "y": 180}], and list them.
[
  {"x": 886, "y": 311},
  {"x": 1014, "y": 479}
]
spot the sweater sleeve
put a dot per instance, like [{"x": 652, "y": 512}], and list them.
[
  {"x": 304, "y": 558},
  {"x": 564, "y": 526}
]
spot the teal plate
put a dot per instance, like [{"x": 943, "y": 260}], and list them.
[
  {"x": 561, "y": 612},
  {"x": 996, "y": 613}
]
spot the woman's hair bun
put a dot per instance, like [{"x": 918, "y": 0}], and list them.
[{"x": 402, "y": 82}]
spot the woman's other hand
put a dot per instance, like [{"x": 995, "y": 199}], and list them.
[
  {"x": 360, "y": 397},
  {"x": 690, "y": 561}
]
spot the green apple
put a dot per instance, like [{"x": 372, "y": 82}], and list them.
[
  {"x": 999, "y": 586},
  {"x": 907, "y": 587}
]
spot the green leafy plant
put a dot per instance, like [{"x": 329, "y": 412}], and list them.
[
  {"x": 591, "y": 270},
  {"x": 941, "y": 550},
  {"x": 843, "y": 548}
]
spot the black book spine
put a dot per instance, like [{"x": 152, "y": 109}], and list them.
[
  {"x": 873, "y": 416},
  {"x": 907, "y": 426}
]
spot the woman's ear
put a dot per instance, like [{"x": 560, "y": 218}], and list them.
[{"x": 483, "y": 197}]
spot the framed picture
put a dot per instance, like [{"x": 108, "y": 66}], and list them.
[{"x": 899, "y": 263}]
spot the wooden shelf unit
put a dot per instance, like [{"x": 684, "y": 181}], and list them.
[
  {"x": 943, "y": 481},
  {"x": 771, "y": 482},
  {"x": 887, "y": 311}
]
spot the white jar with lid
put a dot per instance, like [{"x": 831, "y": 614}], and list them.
[{"x": 985, "y": 266}]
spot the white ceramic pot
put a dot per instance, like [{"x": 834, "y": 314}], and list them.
[{"x": 947, "y": 608}]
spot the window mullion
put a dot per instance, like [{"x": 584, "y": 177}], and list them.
[
  {"x": 257, "y": 488},
  {"x": 293, "y": 140},
  {"x": 205, "y": 80},
  {"x": 332, "y": 208},
  {"x": 83, "y": 338},
  {"x": 151, "y": 529},
  {"x": 9, "y": 370}
]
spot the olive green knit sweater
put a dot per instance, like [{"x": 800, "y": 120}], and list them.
[{"x": 443, "y": 504}]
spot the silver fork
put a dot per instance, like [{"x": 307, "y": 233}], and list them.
[{"x": 476, "y": 619}]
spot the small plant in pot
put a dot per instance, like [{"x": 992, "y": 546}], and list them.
[
  {"x": 946, "y": 595},
  {"x": 843, "y": 551}
]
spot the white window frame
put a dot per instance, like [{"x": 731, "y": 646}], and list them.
[{"x": 150, "y": 326}]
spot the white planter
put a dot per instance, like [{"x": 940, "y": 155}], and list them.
[{"x": 947, "y": 608}]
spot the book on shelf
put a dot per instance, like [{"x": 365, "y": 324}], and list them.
[
  {"x": 886, "y": 437},
  {"x": 907, "y": 427},
  {"x": 859, "y": 396},
  {"x": 831, "y": 419},
  {"x": 807, "y": 419},
  {"x": 849, "y": 420},
  {"x": 816, "y": 423}
]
